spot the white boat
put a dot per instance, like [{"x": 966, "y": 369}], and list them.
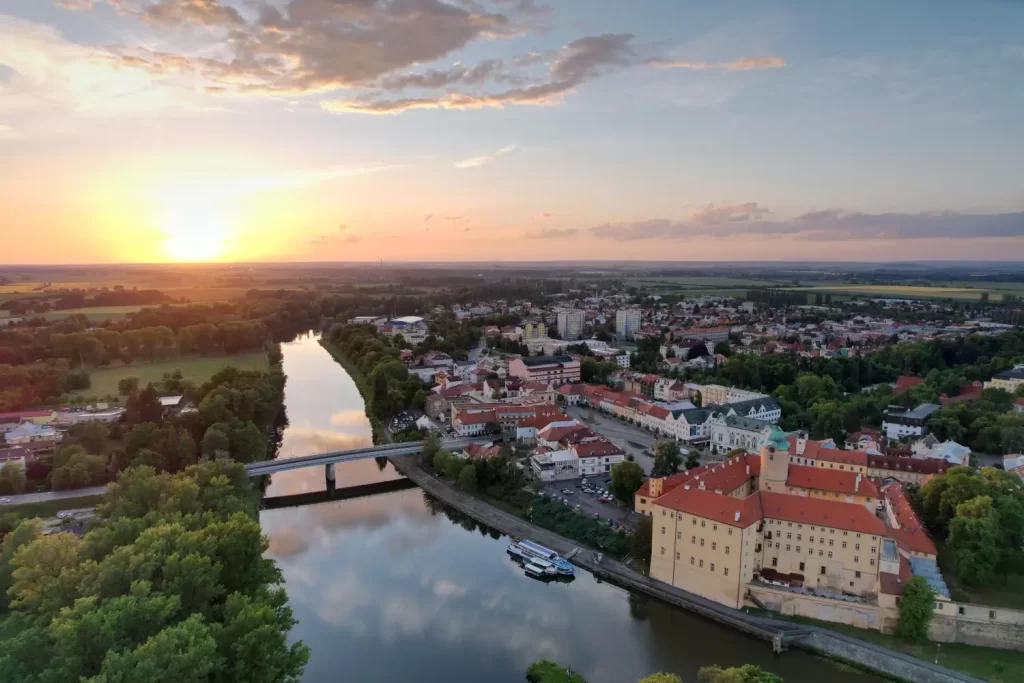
[
  {"x": 536, "y": 569},
  {"x": 515, "y": 551},
  {"x": 530, "y": 550}
]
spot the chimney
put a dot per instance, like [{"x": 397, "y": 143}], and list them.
[
  {"x": 686, "y": 487},
  {"x": 856, "y": 483},
  {"x": 748, "y": 469},
  {"x": 701, "y": 486},
  {"x": 736, "y": 516}
]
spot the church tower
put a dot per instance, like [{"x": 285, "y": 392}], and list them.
[{"x": 774, "y": 461}]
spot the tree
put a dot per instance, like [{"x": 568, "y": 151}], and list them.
[
  {"x": 667, "y": 458},
  {"x": 467, "y": 478},
  {"x": 453, "y": 466},
  {"x": 748, "y": 673},
  {"x": 419, "y": 399},
  {"x": 92, "y": 436},
  {"x": 143, "y": 406},
  {"x": 661, "y": 678},
  {"x": 431, "y": 445},
  {"x": 23, "y": 534},
  {"x": 12, "y": 478},
  {"x": 643, "y": 535},
  {"x": 546, "y": 671},
  {"x": 126, "y": 385},
  {"x": 77, "y": 381},
  {"x": 493, "y": 428},
  {"x": 626, "y": 479},
  {"x": 215, "y": 440},
  {"x": 723, "y": 348},
  {"x": 692, "y": 459},
  {"x": 917, "y": 602}
]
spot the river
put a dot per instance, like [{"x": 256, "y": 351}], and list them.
[{"x": 389, "y": 589}]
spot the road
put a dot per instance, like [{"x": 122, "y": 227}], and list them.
[
  {"x": 54, "y": 495},
  {"x": 474, "y": 353},
  {"x": 589, "y": 505},
  {"x": 619, "y": 433}
]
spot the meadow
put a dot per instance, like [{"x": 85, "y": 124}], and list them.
[
  {"x": 196, "y": 369},
  {"x": 995, "y": 291}
]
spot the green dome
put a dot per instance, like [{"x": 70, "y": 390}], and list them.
[{"x": 777, "y": 438}]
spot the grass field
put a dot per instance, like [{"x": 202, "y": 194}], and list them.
[
  {"x": 96, "y": 314},
  {"x": 908, "y": 291},
  {"x": 197, "y": 369},
  {"x": 987, "y": 663}
]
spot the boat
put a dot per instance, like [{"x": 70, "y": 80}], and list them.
[
  {"x": 515, "y": 551},
  {"x": 538, "y": 568},
  {"x": 529, "y": 550}
]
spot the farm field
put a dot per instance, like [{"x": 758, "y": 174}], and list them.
[
  {"x": 197, "y": 369},
  {"x": 97, "y": 314},
  {"x": 909, "y": 291},
  {"x": 704, "y": 281}
]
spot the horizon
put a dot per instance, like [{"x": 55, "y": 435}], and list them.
[{"x": 307, "y": 131}]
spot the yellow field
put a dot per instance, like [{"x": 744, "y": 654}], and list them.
[{"x": 907, "y": 292}]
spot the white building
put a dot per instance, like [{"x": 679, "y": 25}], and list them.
[
  {"x": 729, "y": 432},
  {"x": 688, "y": 425},
  {"x": 627, "y": 322},
  {"x": 31, "y": 433},
  {"x": 570, "y": 324},
  {"x": 898, "y": 423},
  {"x": 554, "y": 466}
]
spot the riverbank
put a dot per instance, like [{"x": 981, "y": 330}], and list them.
[
  {"x": 380, "y": 434},
  {"x": 781, "y": 634}
]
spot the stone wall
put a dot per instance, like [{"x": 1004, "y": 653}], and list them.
[
  {"x": 873, "y": 658},
  {"x": 861, "y": 615}
]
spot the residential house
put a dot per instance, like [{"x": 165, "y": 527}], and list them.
[{"x": 898, "y": 423}]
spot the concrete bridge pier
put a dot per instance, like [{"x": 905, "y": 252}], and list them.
[{"x": 329, "y": 473}]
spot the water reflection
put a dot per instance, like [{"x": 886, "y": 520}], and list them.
[{"x": 398, "y": 588}]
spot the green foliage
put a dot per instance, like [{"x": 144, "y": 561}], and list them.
[
  {"x": 980, "y": 515},
  {"x": 641, "y": 539},
  {"x": 92, "y": 436},
  {"x": 626, "y": 479},
  {"x": 661, "y": 678},
  {"x": 126, "y": 385},
  {"x": 26, "y": 532},
  {"x": 467, "y": 478},
  {"x": 74, "y": 468},
  {"x": 172, "y": 586},
  {"x": 917, "y": 604},
  {"x": 12, "y": 478},
  {"x": 748, "y": 673},
  {"x": 597, "y": 371},
  {"x": 546, "y": 671},
  {"x": 667, "y": 458},
  {"x": 431, "y": 445}
]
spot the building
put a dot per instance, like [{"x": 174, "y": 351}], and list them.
[
  {"x": 627, "y": 322},
  {"x": 730, "y": 432},
  {"x": 724, "y": 529},
  {"x": 711, "y": 334},
  {"x": 720, "y": 395},
  {"x": 570, "y": 324},
  {"x": 898, "y": 423},
  {"x": 16, "y": 455},
  {"x": 33, "y": 435},
  {"x": 554, "y": 465},
  {"x": 1007, "y": 380},
  {"x": 534, "y": 331},
  {"x": 905, "y": 470},
  {"x": 767, "y": 409},
  {"x": 547, "y": 369}
]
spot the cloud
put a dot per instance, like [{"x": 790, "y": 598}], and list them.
[
  {"x": 576, "y": 63},
  {"x": 478, "y": 74},
  {"x": 833, "y": 224},
  {"x": 473, "y": 162},
  {"x": 529, "y": 59},
  {"x": 744, "y": 64},
  {"x": 302, "y": 46},
  {"x": 553, "y": 233},
  {"x": 9, "y": 133}
]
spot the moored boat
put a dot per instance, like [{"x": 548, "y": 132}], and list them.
[{"x": 531, "y": 550}]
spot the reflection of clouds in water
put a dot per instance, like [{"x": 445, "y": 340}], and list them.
[
  {"x": 348, "y": 418},
  {"x": 310, "y": 440},
  {"x": 447, "y": 589}
]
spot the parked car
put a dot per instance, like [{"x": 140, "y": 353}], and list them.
[
  {"x": 567, "y": 492},
  {"x": 5, "y": 499}
]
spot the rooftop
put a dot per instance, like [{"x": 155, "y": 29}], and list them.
[
  {"x": 837, "y": 481},
  {"x": 536, "y": 361}
]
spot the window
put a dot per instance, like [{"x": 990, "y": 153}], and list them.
[
  {"x": 856, "y": 574},
  {"x": 844, "y": 533},
  {"x": 798, "y": 548},
  {"x": 691, "y": 559},
  {"x": 695, "y": 521},
  {"x": 830, "y": 541},
  {"x": 679, "y": 535},
  {"x": 991, "y": 614},
  {"x": 775, "y": 561},
  {"x": 831, "y": 531},
  {"x": 663, "y": 550},
  {"x": 811, "y": 539},
  {"x": 819, "y": 553},
  {"x": 776, "y": 545},
  {"x": 844, "y": 544},
  {"x": 726, "y": 571},
  {"x": 851, "y": 584},
  {"x": 701, "y": 564},
  {"x": 712, "y": 566},
  {"x": 856, "y": 546},
  {"x": 730, "y": 531},
  {"x": 677, "y": 556},
  {"x": 787, "y": 546},
  {"x": 830, "y": 553},
  {"x": 679, "y": 516},
  {"x": 702, "y": 543},
  {"x": 810, "y": 551},
  {"x": 662, "y": 531},
  {"x": 856, "y": 559},
  {"x": 693, "y": 540},
  {"x": 822, "y": 570},
  {"x": 801, "y": 566},
  {"x": 961, "y": 610},
  {"x": 714, "y": 546},
  {"x": 714, "y": 527},
  {"x": 703, "y": 523},
  {"x": 726, "y": 550},
  {"x": 789, "y": 524},
  {"x": 662, "y": 513},
  {"x": 799, "y": 526},
  {"x": 798, "y": 536},
  {"x": 872, "y": 562},
  {"x": 789, "y": 536}
]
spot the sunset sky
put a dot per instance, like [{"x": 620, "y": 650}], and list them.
[{"x": 294, "y": 130}]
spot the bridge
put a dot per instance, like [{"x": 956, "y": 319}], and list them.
[{"x": 330, "y": 459}]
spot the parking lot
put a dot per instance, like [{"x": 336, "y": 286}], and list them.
[{"x": 589, "y": 503}]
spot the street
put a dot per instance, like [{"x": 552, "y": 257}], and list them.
[
  {"x": 54, "y": 495},
  {"x": 627, "y": 437}
]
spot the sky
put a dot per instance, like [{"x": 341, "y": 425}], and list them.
[{"x": 514, "y": 130}]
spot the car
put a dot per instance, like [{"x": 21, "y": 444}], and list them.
[
  {"x": 5, "y": 499},
  {"x": 567, "y": 492},
  {"x": 604, "y": 499}
]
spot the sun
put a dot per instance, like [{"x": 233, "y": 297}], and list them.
[{"x": 196, "y": 229}]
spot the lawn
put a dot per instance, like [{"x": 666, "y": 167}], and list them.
[
  {"x": 987, "y": 663},
  {"x": 197, "y": 369},
  {"x": 98, "y": 313},
  {"x": 907, "y": 291},
  {"x": 1010, "y": 594}
]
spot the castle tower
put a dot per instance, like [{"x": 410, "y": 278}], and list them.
[{"x": 774, "y": 461}]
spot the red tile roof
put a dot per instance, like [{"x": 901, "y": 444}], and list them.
[
  {"x": 24, "y": 415},
  {"x": 714, "y": 506},
  {"x": 905, "y": 382},
  {"x": 898, "y": 464},
  {"x": 892, "y": 584},
  {"x": 835, "y": 455},
  {"x": 593, "y": 449},
  {"x": 819, "y": 512},
  {"x": 839, "y": 481},
  {"x": 911, "y": 534}
]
